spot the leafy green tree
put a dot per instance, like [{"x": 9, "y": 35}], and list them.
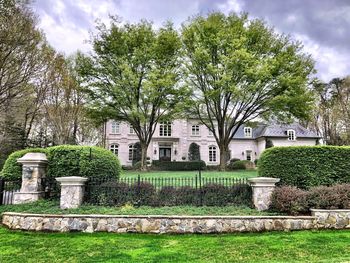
[
  {"x": 132, "y": 76},
  {"x": 240, "y": 70},
  {"x": 194, "y": 152}
]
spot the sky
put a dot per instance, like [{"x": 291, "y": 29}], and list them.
[{"x": 323, "y": 26}]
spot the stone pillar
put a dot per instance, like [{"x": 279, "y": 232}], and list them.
[
  {"x": 72, "y": 191},
  {"x": 33, "y": 171},
  {"x": 262, "y": 191}
]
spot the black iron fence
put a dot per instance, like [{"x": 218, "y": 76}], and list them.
[
  {"x": 9, "y": 187},
  {"x": 195, "y": 190}
]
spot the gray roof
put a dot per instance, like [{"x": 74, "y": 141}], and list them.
[{"x": 276, "y": 130}]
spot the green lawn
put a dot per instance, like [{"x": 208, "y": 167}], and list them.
[
  {"x": 52, "y": 207},
  {"x": 186, "y": 174},
  {"x": 304, "y": 246}
]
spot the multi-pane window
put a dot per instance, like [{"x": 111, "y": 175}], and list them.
[
  {"x": 131, "y": 152},
  {"x": 115, "y": 127},
  {"x": 114, "y": 148},
  {"x": 247, "y": 132},
  {"x": 291, "y": 135},
  {"x": 195, "y": 130},
  {"x": 212, "y": 154},
  {"x": 165, "y": 129},
  {"x": 131, "y": 129}
]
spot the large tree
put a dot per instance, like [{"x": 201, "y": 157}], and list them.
[
  {"x": 332, "y": 110},
  {"x": 132, "y": 76},
  {"x": 20, "y": 50},
  {"x": 240, "y": 70}
]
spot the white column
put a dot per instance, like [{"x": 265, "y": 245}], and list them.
[
  {"x": 262, "y": 191},
  {"x": 33, "y": 171},
  {"x": 72, "y": 191}
]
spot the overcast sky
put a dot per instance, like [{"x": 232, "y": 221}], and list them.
[{"x": 322, "y": 25}]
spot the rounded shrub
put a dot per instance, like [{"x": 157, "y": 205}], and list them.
[
  {"x": 234, "y": 160},
  {"x": 13, "y": 170},
  {"x": 293, "y": 201},
  {"x": 68, "y": 160},
  {"x": 306, "y": 166},
  {"x": 290, "y": 200},
  {"x": 240, "y": 165}
]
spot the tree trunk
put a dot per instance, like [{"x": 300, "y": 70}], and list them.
[
  {"x": 144, "y": 148},
  {"x": 223, "y": 157}
]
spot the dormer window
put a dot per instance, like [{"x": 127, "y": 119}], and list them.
[
  {"x": 291, "y": 135},
  {"x": 248, "y": 132}
]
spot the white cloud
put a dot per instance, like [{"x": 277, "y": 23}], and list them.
[
  {"x": 230, "y": 6},
  {"x": 67, "y": 24},
  {"x": 329, "y": 62}
]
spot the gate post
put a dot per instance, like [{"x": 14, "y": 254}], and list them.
[
  {"x": 72, "y": 191},
  {"x": 33, "y": 170},
  {"x": 262, "y": 191}
]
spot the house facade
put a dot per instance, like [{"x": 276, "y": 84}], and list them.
[{"x": 171, "y": 140}]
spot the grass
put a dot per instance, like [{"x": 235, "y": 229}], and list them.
[
  {"x": 52, "y": 207},
  {"x": 303, "y": 246},
  {"x": 186, "y": 174}
]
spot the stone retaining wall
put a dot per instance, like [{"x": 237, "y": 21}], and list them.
[
  {"x": 320, "y": 219},
  {"x": 334, "y": 219},
  {"x": 155, "y": 224}
]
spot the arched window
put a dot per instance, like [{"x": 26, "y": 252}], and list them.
[
  {"x": 212, "y": 154},
  {"x": 247, "y": 132},
  {"x": 195, "y": 130},
  {"x": 165, "y": 129},
  {"x": 115, "y": 127},
  {"x": 131, "y": 152},
  {"x": 114, "y": 148},
  {"x": 291, "y": 135}
]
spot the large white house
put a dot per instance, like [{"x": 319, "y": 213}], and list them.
[{"x": 171, "y": 140}]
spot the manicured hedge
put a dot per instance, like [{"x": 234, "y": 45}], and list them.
[
  {"x": 179, "y": 166},
  {"x": 306, "y": 166},
  {"x": 68, "y": 160}
]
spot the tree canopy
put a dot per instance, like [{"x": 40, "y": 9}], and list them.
[
  {"x": 241, "y": 70},
  {"x": 132, "y": 76}
]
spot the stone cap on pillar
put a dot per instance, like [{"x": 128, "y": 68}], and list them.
[
  {"x": 33, "y": 159},
  {"x": 71, "y": 180},
  {"x": 263, "y": 181}
]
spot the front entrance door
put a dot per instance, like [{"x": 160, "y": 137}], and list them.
[{"x": 165, "y": 153}]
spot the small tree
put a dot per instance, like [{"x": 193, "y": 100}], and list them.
[
  {"x": 136, "y": 157},
  {"x": 268, "y": 144},
  {"x": 194, "y": 152}
]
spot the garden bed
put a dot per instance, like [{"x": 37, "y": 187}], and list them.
[{"x": 52, "y": 207}]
